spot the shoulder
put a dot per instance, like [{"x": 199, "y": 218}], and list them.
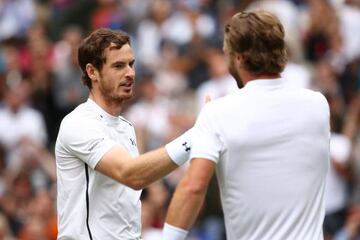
[
  {"x": 315, "y": 97},
  {"x": 79, "y": 115},
  {"x": 80, "y": 122},
  {"x": 225, "y": 101},
  {"x": 215, "y": 108}
]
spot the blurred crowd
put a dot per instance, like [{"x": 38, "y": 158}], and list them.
[{"x": 179, "y": 60}]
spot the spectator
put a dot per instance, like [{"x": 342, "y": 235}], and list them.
[{"x": 220, "y": 83}]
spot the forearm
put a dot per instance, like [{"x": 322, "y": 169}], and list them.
[
  {"x": 149, "y": 167},
  {"x": 154, "y": 165},
  {"x": 140, "y": 171},
  {"x": 185, "y": 206},
  {"x": 188, "y": 199}
]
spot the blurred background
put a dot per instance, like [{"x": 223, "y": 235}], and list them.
[{"x": 179, "y": 60}]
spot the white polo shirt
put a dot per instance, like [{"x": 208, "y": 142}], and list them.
[
  {"x": 271, "y": 147},
  {"x": 90, "y": 204}
]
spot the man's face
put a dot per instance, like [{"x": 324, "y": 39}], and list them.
[{"x": 117, "y": 75}]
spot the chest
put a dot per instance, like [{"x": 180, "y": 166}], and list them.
[{"x": 124, "y": 134}]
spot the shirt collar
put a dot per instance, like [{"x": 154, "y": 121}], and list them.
[
  {"x": 103, "y": 115},
  {"x": 264, "y": 83}
]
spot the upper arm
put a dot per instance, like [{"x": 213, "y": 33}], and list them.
[
  {"x": 199, "y": 174},
  {"x": 114, "y": 164}
]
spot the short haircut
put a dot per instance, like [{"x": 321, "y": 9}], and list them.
[
  {"x": 259, "y": 37},
  {"x": 92, "y": 48}
]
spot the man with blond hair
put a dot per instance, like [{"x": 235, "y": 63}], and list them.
[{"x": 269, "y": 145}]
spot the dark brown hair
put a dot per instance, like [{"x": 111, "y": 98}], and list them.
[
  {"x": 259, "y": 37},
  {"x": 92, "y": 49}
]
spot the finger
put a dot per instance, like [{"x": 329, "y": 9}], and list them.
[{"x": 207, "y": 98}]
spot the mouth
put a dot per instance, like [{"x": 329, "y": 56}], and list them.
[{"x": 127, "y": 84}]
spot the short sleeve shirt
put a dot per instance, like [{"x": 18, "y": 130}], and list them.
[
  {"x": 271, "y": 146},
  {"x": 90, "y": 204}
]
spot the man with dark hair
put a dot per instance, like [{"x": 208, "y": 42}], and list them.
[
  {"x": 269, "y": 145},
  {"x": 99, "y": 172}
]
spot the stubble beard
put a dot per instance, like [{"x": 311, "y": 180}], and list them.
[
  {"x": 235, "y": 74},
  {"x": 112, "y": 97}
]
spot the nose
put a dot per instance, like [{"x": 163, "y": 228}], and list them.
[{"x": 130, "y": 73}]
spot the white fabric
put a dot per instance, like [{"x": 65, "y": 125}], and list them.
[
  {"x": 152, "y": 233},
  {"x": 173, "y": 233},
  {"x": 215, "y": 88},
  {"x": 179, "y": 148},
  {"x": 336, "y": 191},
  {"x": 25, "y": 123},
  {"x": 271, "y": 146},
  {"x": 85, "y": 135}
]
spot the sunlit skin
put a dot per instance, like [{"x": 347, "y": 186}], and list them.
[{"x": 113, "y": 84}]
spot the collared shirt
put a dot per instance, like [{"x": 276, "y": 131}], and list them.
[
  {"x": 90, "y": 204},
  {"x": 271, "y": 147}
]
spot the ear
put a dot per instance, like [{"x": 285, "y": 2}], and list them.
[
  {"x": 92, "y": 72},
  {"x": 239, "y": 60}
]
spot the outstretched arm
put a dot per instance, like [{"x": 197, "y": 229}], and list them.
[
  {"x": 139, "y": 172},
  {"x": 188, "y": 199}
]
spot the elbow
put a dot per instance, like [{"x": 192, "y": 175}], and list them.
[
  {"x": 131, "y": 181},
  {"x": 136, "y": 185},
  {"x": 194, "y": 188}
]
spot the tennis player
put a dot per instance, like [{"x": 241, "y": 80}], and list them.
[
  {"x": 99, "y": 172},
  {"x": 268, "y": 144}
]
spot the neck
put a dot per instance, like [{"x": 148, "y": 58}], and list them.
[{"x": 112, "y": 107}]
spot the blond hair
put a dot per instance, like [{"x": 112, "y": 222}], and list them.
[{"x": 259, "y": 37}]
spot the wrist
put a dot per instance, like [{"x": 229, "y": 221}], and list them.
[
  {"x": 171, "y": 232},
  {"x": 179, "y": 149}
]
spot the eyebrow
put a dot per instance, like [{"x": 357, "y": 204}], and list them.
[{"x": 132, "y": 61}]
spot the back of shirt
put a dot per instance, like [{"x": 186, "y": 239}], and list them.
[{"x": 271, "y": 146}]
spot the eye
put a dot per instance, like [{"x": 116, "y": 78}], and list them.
[
  {"x": 119, "y": 65},
  {"x": 132, "y": 63}
]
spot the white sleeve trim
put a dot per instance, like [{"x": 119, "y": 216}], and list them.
[
  {"x": 100, "y": 153},
  {"x": 204, "y": 156}
]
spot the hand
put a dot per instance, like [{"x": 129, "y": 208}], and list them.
[{"x": 207, "y": 99}]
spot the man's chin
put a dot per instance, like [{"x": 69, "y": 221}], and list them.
[
  {"x": 125, "y": 96},
  {"x": 120, "y": 98}
]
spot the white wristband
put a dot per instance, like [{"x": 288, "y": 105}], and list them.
[
  {"x": 179, "y": 148},
  {"x": 173, "y": 233}
]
